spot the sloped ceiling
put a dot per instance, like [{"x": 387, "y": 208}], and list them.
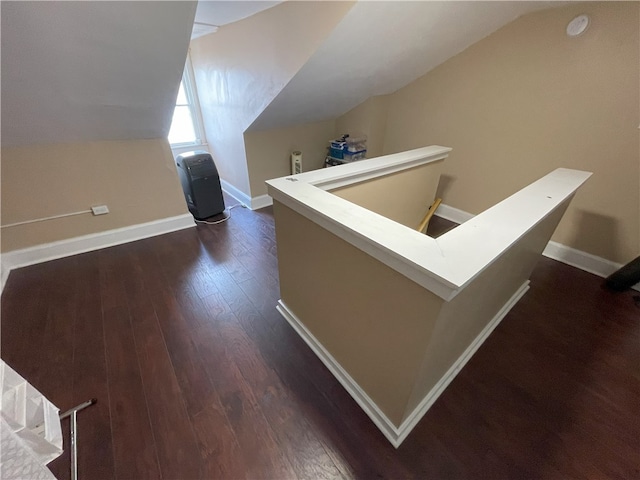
[
  {"x": 84, "y": 71},
  {"x": 213, "y": 14},
  {"x": 380, "y": 47}
]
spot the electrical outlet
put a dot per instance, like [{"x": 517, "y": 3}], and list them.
[{"x": 100, "y": 210}]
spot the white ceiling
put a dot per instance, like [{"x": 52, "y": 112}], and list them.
[
  {"x": 211, "y": 15},
  {"x": 381, "y": 46},
  {"x": 83, "y": 71}
]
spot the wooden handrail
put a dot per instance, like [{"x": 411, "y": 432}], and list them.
[{"x": 425, "y": 221}]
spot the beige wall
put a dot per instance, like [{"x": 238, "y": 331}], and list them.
[
  {"x": 374, "y": 321},
  {"x": 269, "y": 151},
  {"x": 464, "y": 318},
  {"x": 396, "y": 339},
  {"x": 242, "y": 67},
  {"x": 136, "y": 179},
  {"x": 370, "y": 118},
  {"x": 528, "y": 99},
  {"x": 403, "y": 197}
]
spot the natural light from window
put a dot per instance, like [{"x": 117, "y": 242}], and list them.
[
  {"x": 186, "y": 126},
  {"x": 182, "y": 128}
]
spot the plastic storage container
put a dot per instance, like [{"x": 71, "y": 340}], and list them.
[
  {"x": 357, "y": 144},
  {"x": 337, "y": 148}
]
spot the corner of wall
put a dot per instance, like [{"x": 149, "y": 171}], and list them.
[
  {"x": 369, "y": 118},
  {"x": 269, "y": 151},
  {"x": 4, "y": 274},
  {"x": 526, "y": 100},
  {"x": 136, "y": 179},
  {"x": 240, "y": 70}
]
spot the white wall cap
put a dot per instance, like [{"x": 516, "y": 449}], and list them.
[{"x": 446, "y": 265}]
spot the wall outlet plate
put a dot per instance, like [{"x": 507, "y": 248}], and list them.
[{"x": 100, "y": 210}]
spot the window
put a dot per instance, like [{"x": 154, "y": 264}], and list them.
[{"x": 186, "y": 126}]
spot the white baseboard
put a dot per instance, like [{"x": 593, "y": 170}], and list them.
[
  {"x": 240, "y": 196},
  {"x": 385, "y": 425},
  {"x": 4, "y": 274},
  {"x": 395, "y": 435},
  {"x": 254, "y": 203},
  {"x": 579, "y": 259},
  {"x": 426, "y": 403},
  {"x": 261, "y": 202},
  {"x": 453, "y": 214},
  {"x": 95, "y": 241},
  {"x": 557, "y": 251},
  {"x": 582, "y": 260}
]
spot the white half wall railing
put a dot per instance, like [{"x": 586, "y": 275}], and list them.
[{"x": 396, "y": 341}]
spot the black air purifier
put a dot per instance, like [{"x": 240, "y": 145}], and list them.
[{"x": 201, "y": 184}]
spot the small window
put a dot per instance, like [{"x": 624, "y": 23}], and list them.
[{"x": 186, "y": 127}]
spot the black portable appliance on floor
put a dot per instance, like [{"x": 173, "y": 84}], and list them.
[
  {"x": 626, "y": 277},
  {"x": 200, "y": 183}
]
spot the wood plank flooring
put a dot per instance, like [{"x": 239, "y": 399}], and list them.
[{"x": 197, "y": 375}]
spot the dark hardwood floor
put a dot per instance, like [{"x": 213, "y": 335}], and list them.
[{"x": 197, "y": 375}]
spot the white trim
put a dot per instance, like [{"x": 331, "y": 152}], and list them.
[
  {"x": 453, "y": 214},
  {"x": 4, "y": 274},
  {"x": 306, "y": 193},
  {"x": 194, "y": 100},
  {"x": 356, "y": 172},
  {"x": 94, "y": 241},
  {"x": 582, "y": 260},
  {"x": 579, "y": 259},
  {"x": 240, "y": 196},
  {"x": 261, "y": 201},
  {"x": 444, "y": 266},
  {"x": 395, "y": 435},
  {"x": 254, "y": 203},
  {"x": 190, "y": 148},
  {"x": 554, "y": 250},
  {"x": 385, "y": 425},
  {"x": 193, "y": 103},
  {"x": 426, "y": 403}
]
